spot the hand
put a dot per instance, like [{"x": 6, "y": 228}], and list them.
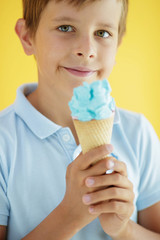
[
  {"x": 77, "y": 172},
  {"x": 114, "y": 200}
]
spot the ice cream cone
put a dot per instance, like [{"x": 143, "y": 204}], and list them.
[
  {"x": 94, "y": 133},
  {"x": 92, "y": 109}
]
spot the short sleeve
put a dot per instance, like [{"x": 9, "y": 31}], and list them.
[
  {"x": 149, "y": 166},
  {"x": 4, "y": 203}
]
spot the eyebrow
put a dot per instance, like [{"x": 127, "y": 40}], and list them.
[
  {"x": 60, "y": 19},
  {"x": 111, "y": 26}
]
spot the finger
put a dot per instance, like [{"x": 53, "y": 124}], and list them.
[
  {"x": 113, "y": 193},
  {"x": 97, "y": 169},
  {"x": 120, "y": 208},
  {"x": 115, "y": 179},
  {"x": 84, "y": 161},
  {"x": 116, "y": 166},
  {"x": 109, "y": 163}
]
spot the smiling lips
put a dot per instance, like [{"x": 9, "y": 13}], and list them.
[{"x": 80, "y": 71}]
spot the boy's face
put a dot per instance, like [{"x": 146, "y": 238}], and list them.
[{"x": 72, "y": 46}]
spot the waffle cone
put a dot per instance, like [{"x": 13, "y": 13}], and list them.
[{"x": 94, "y": 133}]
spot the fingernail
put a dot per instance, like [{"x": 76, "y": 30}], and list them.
[
  {"x": 109, "y": 148},
  {"x": 86, "y": 199},
  {"x": 110, "y": 164},
  {"x": 91, "y": 209},
  {"x": 109, "y": 171},
  {"x": 90, "y": 181}
]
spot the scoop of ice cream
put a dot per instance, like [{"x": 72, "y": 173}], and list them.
[{"x": 92, "y": 101}]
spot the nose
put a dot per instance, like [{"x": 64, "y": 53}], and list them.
[{"x": 85, "y": 48}]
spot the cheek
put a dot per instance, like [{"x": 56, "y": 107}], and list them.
[
  {"x": 108, "y": 62},
  {"x": 48, "y": 57},
  {"x": 48, "y": 49}
]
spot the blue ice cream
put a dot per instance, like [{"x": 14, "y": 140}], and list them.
[{"x": 92, "y": 101}]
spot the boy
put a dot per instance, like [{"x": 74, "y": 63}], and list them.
[{"x": 44, "y": 194}]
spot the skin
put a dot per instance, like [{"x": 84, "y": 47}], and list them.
[
  {"x": 3, "y": 232},
  {"x": 54, "y": 50},
  {"x": 111, "y": 196}
]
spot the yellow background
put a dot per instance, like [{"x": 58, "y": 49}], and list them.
[{"x": 135, "y": 79}]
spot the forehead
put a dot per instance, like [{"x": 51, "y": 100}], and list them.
[{"x": 85, "y": 8}]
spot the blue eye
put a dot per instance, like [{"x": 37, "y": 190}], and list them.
[
  {"x": 65, "y": 28},
  {"x": 102, "y": 34}
]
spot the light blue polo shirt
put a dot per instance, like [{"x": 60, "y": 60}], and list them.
[{"x": 35, "y": 153}]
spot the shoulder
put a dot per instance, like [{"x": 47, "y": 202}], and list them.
[
  {"x": 8, "y": 128},
  {"x": 7, "y": 119},
  {"x": 6, "y": 112},
  {"x": 130, "y": 124},
  {"x": 133, "y": 121},
  {"x": 129, "y": 117},
  {"x": 137, "y": 131}
]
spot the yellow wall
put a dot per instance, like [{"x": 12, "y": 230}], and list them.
[{"x": 136, "y": 77}]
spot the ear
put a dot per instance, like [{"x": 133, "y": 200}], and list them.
[{"x": 24, "y": 36}]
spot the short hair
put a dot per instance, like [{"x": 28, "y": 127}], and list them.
[{"x": 32, "y": 10}]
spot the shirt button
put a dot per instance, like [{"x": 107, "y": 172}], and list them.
[{"x": 66, "y": 138}]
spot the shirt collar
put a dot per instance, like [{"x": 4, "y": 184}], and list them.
[{"x": 41, "y": 126}]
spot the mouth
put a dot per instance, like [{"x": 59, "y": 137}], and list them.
[{"x": 80, "y": 71}]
